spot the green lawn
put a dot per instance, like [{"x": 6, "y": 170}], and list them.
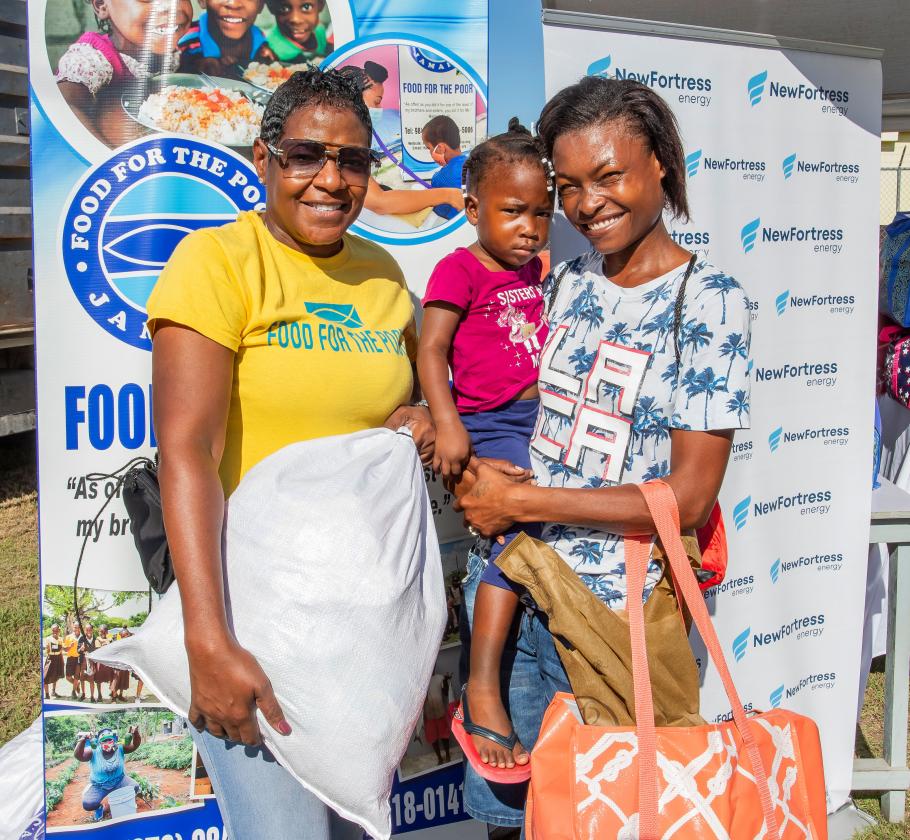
[
  {"x": 20, "y": 686},
  {"x": 868, "y": 745},
  {"x": 19, "y": 654}
]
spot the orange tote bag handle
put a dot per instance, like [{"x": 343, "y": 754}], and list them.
[{"x": 664, "y": 510}]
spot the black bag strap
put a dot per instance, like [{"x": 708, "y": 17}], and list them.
[
  {"x": 677, "y": 311},
  {"x": 554, "y": 289},
  {"x": 120, "y": 474}
]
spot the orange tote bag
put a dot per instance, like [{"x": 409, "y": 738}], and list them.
[{"x": 755, "y": 778}]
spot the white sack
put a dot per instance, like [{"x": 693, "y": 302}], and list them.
[
  {"x": 22, "y": 785},
  {"x": 335, "y": 585}
]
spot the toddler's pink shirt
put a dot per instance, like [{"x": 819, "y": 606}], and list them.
[{"x": 496, "y": 346}]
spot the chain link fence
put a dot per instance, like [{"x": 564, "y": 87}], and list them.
[{"x": 895, "y": 192}]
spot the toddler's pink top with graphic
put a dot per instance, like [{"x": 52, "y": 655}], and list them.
[{"x": 497, "y": 343}]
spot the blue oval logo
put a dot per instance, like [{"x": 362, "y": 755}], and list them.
[{"x": 128, "y": 214}]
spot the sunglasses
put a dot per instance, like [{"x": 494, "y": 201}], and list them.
[{"x": 305, "y": 158}]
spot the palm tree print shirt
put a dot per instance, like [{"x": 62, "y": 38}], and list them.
[{"x": 611, "y": 392}]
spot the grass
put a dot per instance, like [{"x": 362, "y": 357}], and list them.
[
  {"x": 868, "y": 745},
  {"x": 20, "y": 680},
  {"x": 20, "y": 684}
]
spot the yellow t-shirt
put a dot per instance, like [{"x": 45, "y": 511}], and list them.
[
  {"x": 323, "y": 346},
  {"x": 71, "y": 645}
]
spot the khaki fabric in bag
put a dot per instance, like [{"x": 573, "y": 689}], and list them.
[{"x": 594, "y": 644}]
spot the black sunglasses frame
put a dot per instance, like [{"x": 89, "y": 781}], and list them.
[{"x": 280, "y": 155}]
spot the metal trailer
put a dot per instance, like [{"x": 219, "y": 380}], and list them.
[{"x": 17, "y": 321}]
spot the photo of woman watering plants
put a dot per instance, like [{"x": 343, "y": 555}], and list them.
[{"x": 114, "y": 764}]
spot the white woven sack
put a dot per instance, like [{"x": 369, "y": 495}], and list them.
[{"x": 334, "y": 582}]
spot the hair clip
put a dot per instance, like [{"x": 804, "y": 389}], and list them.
[{"x": 550, "y": 173}]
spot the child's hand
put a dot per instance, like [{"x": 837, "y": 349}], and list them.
[{"x": 453, "y": 450}]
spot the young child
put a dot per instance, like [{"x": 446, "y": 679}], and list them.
[
  {"x": 137, "y": 40},
  {"x": 224, "y": 38},
  {"x": 298, "y": 35},
  {"x": 483, "y": 318},
  {"x": 443, "y": 140}
]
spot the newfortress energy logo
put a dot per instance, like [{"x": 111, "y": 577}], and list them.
[
  {"x": 733, "y": 588},
  {"x": 800, "y": 629},
  {"x": 820, "y": 240},
  {"x": 843, "y": 173},
  {"x": 836, "y": 436},
  {"x": 811, "y": 682},
  {"x": 744, "y": 169},
  {"x": 821, "y": 563},
  {"x": 812, "y": 374},
  {"x": 760, "y": 88},
  {"x": 803, "y": 502},
  {"x": 679, "y": 87},
  {"x": 699, "y": 239},
  {"x": 835, "y": 304}
]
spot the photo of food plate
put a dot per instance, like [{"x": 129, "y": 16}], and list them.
[
  {"x": 270, "y": 76},
  {"x": 214, "y": 109}
]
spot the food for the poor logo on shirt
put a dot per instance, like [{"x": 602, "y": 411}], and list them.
[{"x": 128, "y": 214}]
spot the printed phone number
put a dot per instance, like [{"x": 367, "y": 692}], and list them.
[
  {"x": 439, "y": 802},
  {"x": 212, "y": 833}
]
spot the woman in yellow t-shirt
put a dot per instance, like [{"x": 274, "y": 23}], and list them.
[{"x": 276, "y": 328}]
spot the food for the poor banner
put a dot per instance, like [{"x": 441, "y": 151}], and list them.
[
  {"x": 782, "y": 149},
  {"x": 143, "y": 118}
]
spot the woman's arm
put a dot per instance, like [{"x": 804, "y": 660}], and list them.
[
  {"x": 492, "y": 502},
  {"x": 401, "y": 202},
  {"x": 191, "y": 380},
  {"x": 453, "y": 445},
  {"x": 135, "y": 741},
  {"x": 81, "y": 751}
]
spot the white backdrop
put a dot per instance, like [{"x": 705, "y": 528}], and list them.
[{"x": 782, "y": 156}]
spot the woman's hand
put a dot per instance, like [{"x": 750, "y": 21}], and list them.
[
  {"x": 484, "y": 496},
  {"x": 452, "y": 451},
  {"x": 454, "y": 197},
  {"x": 227, "y": 684},
  {"x": 417, "y": 419}
]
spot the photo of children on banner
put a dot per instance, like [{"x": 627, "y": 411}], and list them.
[
  {"x": 114, "y": 764},
  {"x": 395, "y": 190},
  {"x": 69, "y": 676},
  {"x": 129, "y": 67}
]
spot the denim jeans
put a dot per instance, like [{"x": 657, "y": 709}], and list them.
[
  {"x": 530, "y": 674},
  {"x": 258, "y": 798},
  {"x": 93, "y": 795}
]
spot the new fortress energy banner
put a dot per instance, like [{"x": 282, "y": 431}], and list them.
[
  {"x": 782, "y": 175},
  {"x": 143, "y": 118}
]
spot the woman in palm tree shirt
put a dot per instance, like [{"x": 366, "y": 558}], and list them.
[{"x": 637, "y": 381}]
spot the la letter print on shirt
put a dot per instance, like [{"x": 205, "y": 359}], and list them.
[{"x": 590, "y": 426}]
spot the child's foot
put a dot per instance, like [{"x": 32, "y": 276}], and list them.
[{"x": 486, "y": 710}]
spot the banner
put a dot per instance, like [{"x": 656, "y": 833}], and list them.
[
  {"x": 143, "y": 117},
  {"x": 782, "y": 151}
]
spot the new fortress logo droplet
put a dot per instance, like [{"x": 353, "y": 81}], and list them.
[
  {"x": 129, "y": 213},
  {"x": 688, "y": 90},
  {"x": 761, "y": 86}
]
